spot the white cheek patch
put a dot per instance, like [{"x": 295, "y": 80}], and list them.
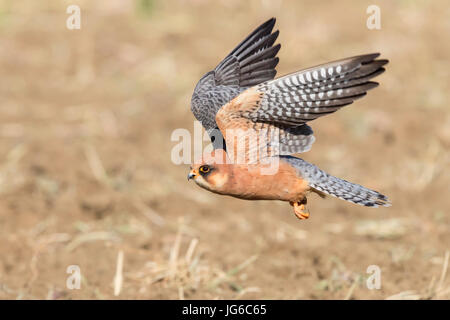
[
  {"x": 218, "y": 180},
  {"x": 202, "y": 182},
  {"x": 214, "y": 182}
]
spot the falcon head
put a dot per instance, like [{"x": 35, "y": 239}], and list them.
[{"x": 211, "y": 171}]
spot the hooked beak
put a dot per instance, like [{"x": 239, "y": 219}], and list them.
[{"x": 192, "y": 174}]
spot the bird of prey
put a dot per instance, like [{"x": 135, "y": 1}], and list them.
[{"x": 256, "y": 122}]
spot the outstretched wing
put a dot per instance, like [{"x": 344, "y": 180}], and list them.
[
  {"x": 270, "y": 118},
  {"x": 252, "y": 62}
]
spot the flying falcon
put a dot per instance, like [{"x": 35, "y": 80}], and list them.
[{"x": 256, "y": 122}]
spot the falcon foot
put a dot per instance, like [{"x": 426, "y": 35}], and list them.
[{"x": 299, "y": 209}]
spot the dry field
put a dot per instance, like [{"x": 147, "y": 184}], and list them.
[{"x": 86, "y": 176}]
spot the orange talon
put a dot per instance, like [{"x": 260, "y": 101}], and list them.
[{"x": 299, "y": 209}]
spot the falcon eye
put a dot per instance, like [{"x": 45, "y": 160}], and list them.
[{"x": 204, "y": 169}]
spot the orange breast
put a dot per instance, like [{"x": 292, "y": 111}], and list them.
[{"x": 248, "y": 183}]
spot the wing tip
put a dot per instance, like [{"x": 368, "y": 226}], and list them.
[
  {"x": 371, "y": 85},
  {"x": 382, "y": 62},
  {"x": 275, "y": 34},
  {"x": 370, "y": 56},
  {"x": 277, "y": 48},
  {"x": 269, "y": 24}
]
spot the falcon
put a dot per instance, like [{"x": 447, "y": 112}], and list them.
[{"x": 256, "y": 123}]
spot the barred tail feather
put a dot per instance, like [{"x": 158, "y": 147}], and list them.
[
  {"x": 349, "y": 191},
  {"x": 325, "y": 183}
]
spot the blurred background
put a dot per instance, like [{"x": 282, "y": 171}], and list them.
[{"x": 86, "y": 177}]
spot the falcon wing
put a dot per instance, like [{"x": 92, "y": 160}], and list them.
[
  {"x": 252, "y": 62},
  {"x": 270, "y": 118}
]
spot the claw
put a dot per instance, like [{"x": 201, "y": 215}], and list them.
[{"x": 299, "y": 209}]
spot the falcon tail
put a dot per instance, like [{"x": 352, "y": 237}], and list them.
[
  {"x": 324, "y": 183},
  {"x": 349, "y": 191}
]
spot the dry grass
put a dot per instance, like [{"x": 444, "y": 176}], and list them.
[
  {"x": 86, "y": 177},
  {"x": 435, "y": 290}
]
